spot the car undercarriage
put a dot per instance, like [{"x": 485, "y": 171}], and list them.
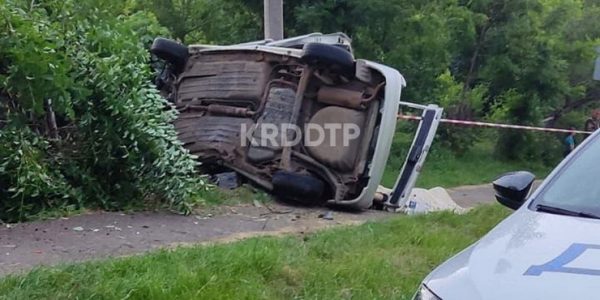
[{"x": 301, "y": 118}]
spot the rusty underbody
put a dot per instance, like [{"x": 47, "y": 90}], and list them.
[{"x": 219, "y": 93}]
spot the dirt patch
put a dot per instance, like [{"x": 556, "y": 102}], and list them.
[
  {"x": 104, "y": 234},
  {"x": 472, "y": 195}
]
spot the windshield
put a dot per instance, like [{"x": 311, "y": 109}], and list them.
[{"x": 577, "y": 186}]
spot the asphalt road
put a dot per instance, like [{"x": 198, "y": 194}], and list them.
[{"x": 100, "y": 235}]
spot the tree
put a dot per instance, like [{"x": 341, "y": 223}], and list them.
[
  {"x": 181, "y": 17},
  {"x": 207, "y": 21}
]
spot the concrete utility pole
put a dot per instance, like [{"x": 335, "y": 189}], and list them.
[{"x": 273, "y": 19}]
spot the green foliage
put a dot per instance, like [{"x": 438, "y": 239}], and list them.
[
  {"x": 24, "y": 174},
  {"x": 531, "y": 63},
  {"x": 194, "y": 21},
  {"x": 477, "y": 165},
  {"x": 116, "y": 147},
  {"x": 182, "y": 17},
  {"x": 510, "y": 61},
  {"x": 471, "y": 57},
  {"x": 459, "y": 104}
]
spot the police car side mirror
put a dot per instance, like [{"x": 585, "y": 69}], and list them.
[{"x": 513, "y": 188}]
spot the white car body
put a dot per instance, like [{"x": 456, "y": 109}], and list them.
[
  {"x": 194, "y": 67},
  {"x": 529, "y": 255},
  {"x": 389, "y": 110}
]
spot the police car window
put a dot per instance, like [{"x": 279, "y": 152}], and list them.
[{"x": 577, "y": 186}]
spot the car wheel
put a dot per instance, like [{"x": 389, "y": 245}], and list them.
[
  {"x": 340, "y": 60},
  {"x": 174, "y": 53},
  {"x": 298, "y": 187}
]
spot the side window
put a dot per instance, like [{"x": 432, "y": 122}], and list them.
[{"x": 576, "y": 187}]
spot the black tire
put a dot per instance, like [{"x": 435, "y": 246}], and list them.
[
  {"x": 174, "y": 53},
  {"x": 337, "y": 58},
  {"x": 301, "y": 188}
]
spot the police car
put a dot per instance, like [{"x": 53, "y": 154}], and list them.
[{"x": 549, "y": 248}]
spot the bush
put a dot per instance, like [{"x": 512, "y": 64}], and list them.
[
  {"x": 25, "y": 174},
  {"x": 116, "y": 145}
]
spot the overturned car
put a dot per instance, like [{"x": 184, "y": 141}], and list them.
[{"x": 300, "y": 117}]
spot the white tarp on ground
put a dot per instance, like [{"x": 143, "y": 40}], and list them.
[{"x": 427, "y": 200}]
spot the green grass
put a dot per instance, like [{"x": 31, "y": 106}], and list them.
[
  {"x": 383, "y": 260},
  {"x": 241, "y": 195},
  {"x": 442, "y": 168}
]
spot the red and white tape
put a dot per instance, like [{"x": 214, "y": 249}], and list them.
[{"x": 496, "y": 125}]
